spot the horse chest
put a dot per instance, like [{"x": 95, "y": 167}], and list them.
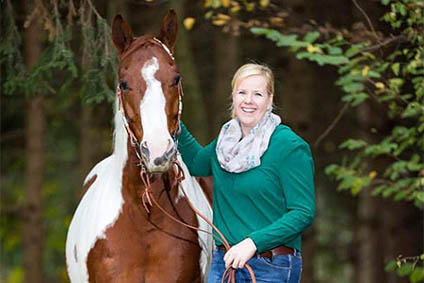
[{"x": 141, "y": 255}]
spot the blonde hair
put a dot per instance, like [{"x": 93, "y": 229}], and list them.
[{"x": 251, "y": 69}]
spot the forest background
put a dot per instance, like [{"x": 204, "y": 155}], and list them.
[{"x": 349, "y": 80}]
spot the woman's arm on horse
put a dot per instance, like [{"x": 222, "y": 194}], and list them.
[{"x": 196, "y": 157}]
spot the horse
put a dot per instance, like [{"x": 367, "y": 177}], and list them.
[{"x": 117, "y": 234}]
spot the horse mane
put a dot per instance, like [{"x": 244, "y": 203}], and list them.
[{"x": 120, "y": 135}]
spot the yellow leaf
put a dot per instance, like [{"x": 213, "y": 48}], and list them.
[
  {"x": 223, "y": 17},
  {"x": 313, "y": 49},
  {"x": 235, "y": 9},
  {"x": 219, "y": 22},
  {"x": 225, "y": 3},
  {"x": 365, "y": 71},
  {"x": 188, "y": 23},
  {"x": 264, "y": 3},
  {"x": 379, "y": 85},
  {"x": 372, "y": 174}
]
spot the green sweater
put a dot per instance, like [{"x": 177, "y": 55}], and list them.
[{"x": 272, "y": 204}]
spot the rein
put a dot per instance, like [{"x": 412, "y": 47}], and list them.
[
  {"x": 147, "y": 197},
  {"x": 229, "y": 274},
  {"x": 134, "y": 141}
]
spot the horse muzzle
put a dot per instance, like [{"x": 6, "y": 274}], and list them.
[{"x": 155, "y": 158}]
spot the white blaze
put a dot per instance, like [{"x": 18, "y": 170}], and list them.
[{"x": 153, "y": 115}]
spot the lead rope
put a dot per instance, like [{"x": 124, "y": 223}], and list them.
[{"x": 229, "y": 273}]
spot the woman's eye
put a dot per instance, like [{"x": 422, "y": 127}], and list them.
[
  {"x": 258, "y": 93},
  {"x": 123, "y": 86},
  {"x": 177, "y": 79}
]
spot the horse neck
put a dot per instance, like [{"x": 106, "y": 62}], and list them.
[{"x": 124, "y": 156}]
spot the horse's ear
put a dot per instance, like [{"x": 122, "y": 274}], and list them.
[
  {"x": 121, "y": 33},
  {"x": 168, "y": 32}
]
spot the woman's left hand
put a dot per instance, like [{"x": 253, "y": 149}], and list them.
[{"x": 239, "y": 254}]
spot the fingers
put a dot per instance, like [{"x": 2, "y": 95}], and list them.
[
  {"x": 238, "y": 263},
  {"x": 235, "y": 259},
  {"x": 228, "y": 258},
  {"x": 238, "y": 255}
]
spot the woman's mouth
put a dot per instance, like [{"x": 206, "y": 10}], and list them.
[{"x": 248, "y": 109}]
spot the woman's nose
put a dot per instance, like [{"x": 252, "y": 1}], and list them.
[{"x": 248, "y": 98}]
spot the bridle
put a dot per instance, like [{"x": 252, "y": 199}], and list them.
[
  {"x": 135, "y": 143},
  {"x": 148, "y": 198}
]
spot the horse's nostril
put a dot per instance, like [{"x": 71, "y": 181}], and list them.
[{"x": 160, "y": 160}]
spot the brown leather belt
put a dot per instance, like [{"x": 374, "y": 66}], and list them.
[{"x": 281, "y": 250}]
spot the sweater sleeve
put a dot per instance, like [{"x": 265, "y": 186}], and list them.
[
  {"x": 196, "y": 157},
  {"x": 296, "y": 173}
]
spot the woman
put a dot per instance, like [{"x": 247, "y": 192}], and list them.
[{"x": 263, "y": 196}]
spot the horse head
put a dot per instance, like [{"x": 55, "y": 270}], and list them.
[{"x": 149, "y": 91}]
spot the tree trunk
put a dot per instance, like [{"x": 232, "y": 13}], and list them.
[
  {"x": 366, "y": 240},
  {"x": 33, "y": 237},
  {"x": 367, "y": 230},
  {"x": 194, "y": 113},
  {"x": 226, "y": 63}
]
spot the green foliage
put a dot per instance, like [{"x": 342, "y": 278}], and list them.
[
  {"x": 66, "y": 74},
  {"x": 11, "y": 61},
  {"x": 99, "y": 60},
  {"x": 390, "y": 73},
  {"x": 57, "y": 56},
  {"x": 413, "y": 267},
  {"x": 395, "y": 80}
]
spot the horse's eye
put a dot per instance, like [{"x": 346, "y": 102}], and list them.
[
  {"x": 123, "y": 86},
  {"x": 177, "y": 79}
]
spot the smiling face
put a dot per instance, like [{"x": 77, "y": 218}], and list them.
[{"x": 250, "y": 101}]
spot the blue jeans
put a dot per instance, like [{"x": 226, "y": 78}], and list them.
[{"x": 281, "y": 268}]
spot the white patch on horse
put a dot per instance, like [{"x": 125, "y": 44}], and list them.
[
  {"x": 196, "y": 195},
  {"x": 99, "y": 208},
  {"x": 153, "y": 115}
]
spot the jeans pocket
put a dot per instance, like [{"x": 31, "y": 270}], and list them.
[{"x": 278, "y": 261}]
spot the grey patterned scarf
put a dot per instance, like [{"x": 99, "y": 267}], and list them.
[{"x": 238, "y": 155}]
